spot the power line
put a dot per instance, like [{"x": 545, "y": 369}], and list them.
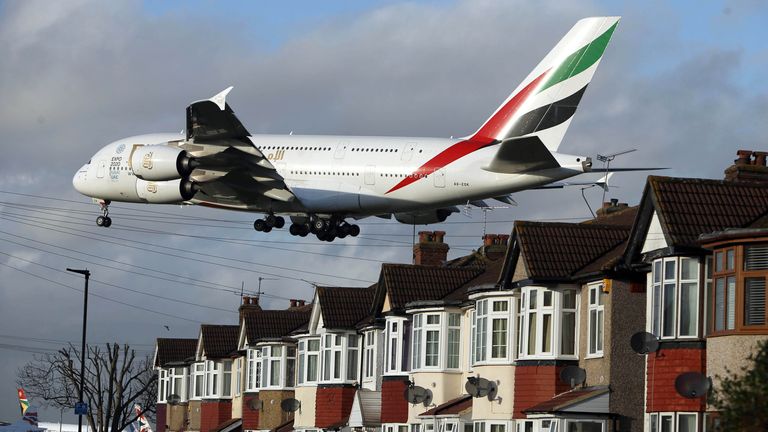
[
  {"x": 44, "y": 340},
  {"x": 99, "y": 296}
]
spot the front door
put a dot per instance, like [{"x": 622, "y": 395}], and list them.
[
  {"x": 439, "y": 178},
  {"x": 370, "y": 175}
]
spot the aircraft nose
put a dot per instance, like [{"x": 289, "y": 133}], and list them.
[{"x": 78, "y": 181}]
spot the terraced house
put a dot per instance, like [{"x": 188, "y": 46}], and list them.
[{"x": 599, "y": 326}]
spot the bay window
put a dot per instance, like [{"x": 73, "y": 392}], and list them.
[
  {"x": 309, "y": 359},
  {"x": 162, "y": 385},
  {"x": 212, "y": 379},
  {"x": 340, "y": 357},
  {"x": 278, "y": 366},
  {"x": 436, "y": 340},
  {"x": 176, "y": 377},
  {"x": 738, "y": 303},
  {"x": 675, "y": 297},
  {"x": 547, "y": 320},
  {"x": 596, "y": 321}
]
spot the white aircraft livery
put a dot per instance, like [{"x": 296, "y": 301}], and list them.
[{"x": 321, "y": 181}]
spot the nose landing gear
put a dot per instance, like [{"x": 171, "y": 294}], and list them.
[{"x": 104, "y": 220}]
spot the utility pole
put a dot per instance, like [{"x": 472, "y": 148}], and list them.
[{"x": 79, "y": 406}]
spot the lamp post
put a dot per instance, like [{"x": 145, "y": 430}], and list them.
[{"x": 79, "y": 412}]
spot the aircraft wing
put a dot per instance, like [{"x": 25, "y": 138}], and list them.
[
  {"x": 232, "y": 171},
  {"x": 602, "y": 182}
]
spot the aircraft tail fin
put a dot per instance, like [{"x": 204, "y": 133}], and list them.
[
  {"x": 544, "y": 103},
  {"x": 23, "y": 401}
]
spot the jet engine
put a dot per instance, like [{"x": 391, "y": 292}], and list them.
[
  {"x": 160, "y": 162},
  {"x": 166, "y": 192},
  {"x": 426, "y": 216}
]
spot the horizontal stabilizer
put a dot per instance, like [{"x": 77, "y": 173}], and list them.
[
  {"x": 610, "y": 170},
  {"x": 479, "y": 203},
  {"x": 520, "y": 155}
]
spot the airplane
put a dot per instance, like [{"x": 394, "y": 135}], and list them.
[
  {"x": 321, "y": 181},
  {"x": 29, "y": 419}
]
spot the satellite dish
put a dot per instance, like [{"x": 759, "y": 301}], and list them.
[
  {"x": 573, "y": 375},
  {"x": 643, "y": 342},
  {"x": 254, "y": 404},
  {"x": 480, "y": 387},
  {"x": 692, "y": 385},
  {"x": 290, "y": 405},
  {"x": 416, "y": 395},
  {"x": 174, "y": 399}
]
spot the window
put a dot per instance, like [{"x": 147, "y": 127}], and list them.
[
  {"x": 162, "y": 385},
  {"x": 277, "y": 366},
  {"x": 547, "y": 323},
  {"x": 675, "y": 297},
  {"x": 481, "y": 329},
  {"x": 596, "y": 319},
  {"x": 226, "y": 379},
  {"x": 499, "y": 324},
  {"x": 198, "y": 380},
  {"x": 238, "y": 376},
  {"x": 738, "y": 302},
  {"x": 369, "y": 355},
  {"x": 584, "y": 426},
  {"x": 253, "y": 371},
  {"x": 437, "y": 340},
  {"x": 309, "y": 359},
  {"x": 212, "y": 379},
  {"x": 673, "y": 422},
  {"x": 352, "y": 354}
]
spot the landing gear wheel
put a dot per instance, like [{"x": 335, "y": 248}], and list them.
[
  {"x": 259, "y": 225},
  {"x": 295, "y": 229},
  {"x": 101, "y": 221},
  {"x": 279, "y": 222},
  {"x": 354, "y": 230},
  {"x": 319, "y": 225},
  {"x": 270, "y": 219},
  {"x": 267, "y": 228},
  {"x": 107, "y": 222},
  {"x": 304, "y": 231}
]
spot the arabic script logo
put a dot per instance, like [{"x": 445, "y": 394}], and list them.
[{"x": 146, "y": 162}]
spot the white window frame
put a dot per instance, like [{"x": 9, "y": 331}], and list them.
[
  {"x": 304, "y": 355},
  {"x": 277, "y": 355},
  {"x": 397, "y": 333},
  {"x": 238, "y": 376},
  {"x": 335, "y": 356},
  {"x": 162, "y": 385},
  {"x": 660, "y": 279},
  {"x": 198, "y": 376},
  {"x": 227, "y": 369},
  {"x": 370, "y": 345},
  {"x": 565, "y": 423},
  {"x": 394, "y": 427},
  {"x": 213, "y": 371},
  {"x": 537, "y": 310},
  {"x": 179, "y": 374},
  {"x": 654, "y": 420},
  {"x": 422, "y": 327},
  {"x": 253, "y": 371},
  {"x": 596, "y": 308}
]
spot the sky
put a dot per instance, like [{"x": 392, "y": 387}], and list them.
[{"x": 682, "y": 82}]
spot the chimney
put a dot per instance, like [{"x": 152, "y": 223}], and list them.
[
  {"x": 430, "y": 250},
  {"x": 611, "y": 207},
  {"x": 301, "y": 302},
  {"x": 294, "y": 302},
  {"x": 749, "y": 166},
  {"x": 494, "y": 246},
  {"x": 250, "y": 304}
]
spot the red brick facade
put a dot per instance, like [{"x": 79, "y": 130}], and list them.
[
  {"x": 333, "y": 405},
  {"x": 250, "y": 416},
  {"x": 214, "y": 413},
  {"x": 394, "y": 407},
  {"x": 535, "y": 384},
  {"x": 161, "y": 416},
  {"x": 663, "y": 368}
]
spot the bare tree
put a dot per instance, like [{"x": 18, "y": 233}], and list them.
[{"x": 115, "y": 380}]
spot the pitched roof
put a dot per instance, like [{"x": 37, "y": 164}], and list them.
[
  {"x": 452, "y": 407},
  {"x": 567, "y": 399},
  {"x": 406, "y": 283},
  {"x": 343, "y": 307},
  {"x": 174, "y": 350},
  {"x": 219, "y": 341},
  {"x": 268, "y": 324},
  {"x": 556, "y": 251},
  {"x": 688, "y": 208}
]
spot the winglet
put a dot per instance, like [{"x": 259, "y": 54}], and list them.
[
  {"x": 221, "y": 98},
  {"x": 603, "y": 181}
]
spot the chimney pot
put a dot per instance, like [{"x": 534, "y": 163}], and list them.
[
  {"x": 743, "y": 157},
  {"x": 246, "y": 300},
  {"x": 255, "y": 300},
  {"x": 760, "y": 158},
  {"x": 293, "y": 303}
]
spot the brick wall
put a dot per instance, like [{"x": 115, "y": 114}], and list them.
[
  {"x": 214, "y": 413},
  {"x": 272, "y": 415},
  {"x": 394, "y": 407},
  {"x": 161, "y": 416},
  {"x": 663, "y": 368},
  {"x": 333, "y": 404},
  {"x": 536, "y": 383},
  {"x": 250, "y": 416}
]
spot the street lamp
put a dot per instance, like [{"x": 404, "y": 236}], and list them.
[{"x": 79, "y": 406}]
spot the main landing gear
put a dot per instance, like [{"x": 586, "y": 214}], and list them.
[
  {"x": 331, "y": 229},
  {"x": 104, "y": 220},
  {"x": 269, "y": 222}
]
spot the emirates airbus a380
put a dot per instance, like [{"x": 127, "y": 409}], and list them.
[{"x": 320, "y": 181}]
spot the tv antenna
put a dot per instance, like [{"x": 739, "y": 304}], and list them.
[
  {"x": 259, "y": 292},
  {"x": 606, "y": 160}
]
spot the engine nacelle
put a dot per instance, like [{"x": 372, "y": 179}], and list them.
[
  {"x": 426, "y": 216},
  {"x": 166, "y": 192},
  {"x": 160, "y": 162}
]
